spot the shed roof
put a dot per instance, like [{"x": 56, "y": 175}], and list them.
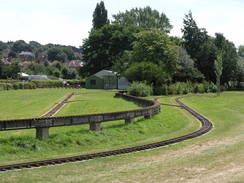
[{"x": 103, "y": 73}]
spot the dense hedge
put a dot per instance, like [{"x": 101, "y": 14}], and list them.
[
  {"x": 76, "y": 83},
  {"x": 184, "y": 88},
  {"x": 48, "y": 83},
  {"x": 17, "y": 85},
  {"x": 9, "y": 81}
]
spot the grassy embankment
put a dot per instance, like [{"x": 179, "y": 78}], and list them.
[
  {"x": 21, "y": 146},
  {"x": 215, "y": 157}
]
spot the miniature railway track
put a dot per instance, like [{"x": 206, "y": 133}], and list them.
[
  {"x": 206, "y": 127},
  {"x": 58, "y": 106}
]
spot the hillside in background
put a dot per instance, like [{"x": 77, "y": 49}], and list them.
[{"x": 34, "y": 58}]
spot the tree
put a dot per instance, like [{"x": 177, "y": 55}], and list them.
[
  {"x": 144, "y": 17},
  {"x": 240, "y": 69},
  {"x": 36, "y": 68},
  {"x": 146, "y": 71},
  {"x": 104, "y": 46},
  {"x": 193, "y": 36},
  {"x": 69, "y": 52},
  {"x": 241, "y": 51},
  {"x": 156, "y": 47},
  {"x": 9, "y": 71},
  {"x": 229, "y": 57},
  {"x": 20, "y": 45},
  {"x": 199, "y": 46},
  {"x": 185, "y": 70},
  {"x": 100, "y": 17},
  {"x": 3, "y": 46},
  {"x": 218, "y": 63},
  {"x": 69, "y": 73},
  {"x": 56, "y": 54}
]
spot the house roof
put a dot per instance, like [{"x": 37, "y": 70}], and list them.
[
  {"x": 75, "y": 64},
  {"x": 103, "y": 73},
  {"x": 26, "y": 53}
]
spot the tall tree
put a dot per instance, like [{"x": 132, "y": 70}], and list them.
[
  {"x": 144, "y": 17},
  {"x": 199, "y": 46},
  {"x": 193, "y": 36},
  {"x": 100, "y": 16},
  {"x": 229, "y": 57},
  {"x": 105, "y": 45},
  {"x": 218, "y": 63},
  {"x": 21, "y": 45},
  {"x": 156, "y": 47}
]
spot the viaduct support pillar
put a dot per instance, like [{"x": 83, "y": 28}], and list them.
[
  {"x": 148, "y": 116},
  {"x": 42, "y": 133},
  {"x": 95, "y": 126},
  {"x": 129, "y": 120}
]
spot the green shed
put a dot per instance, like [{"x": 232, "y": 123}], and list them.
[{"x": 104, "y": 79}]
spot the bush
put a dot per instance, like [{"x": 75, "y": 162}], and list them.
[
  {"x": 17, "y": 85},
  {"x": 29, "y": 85},
  {"x": 76, "y": 83},
  {"x": 212, "y": 87},
  {"x": 47, "y": 83},
  {"x": 180, "y": 88},
  {"x": 140, "y": 89},
  {"x": 3, "y": 86},
  {"x": 160, "y": 90},
  {"x": 199, "y": 88}
]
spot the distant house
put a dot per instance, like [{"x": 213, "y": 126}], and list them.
[
  {"x": 75, "y": 64},
  {"x": 26, "y": 55},
  {"x": 37, "y": 77},
  {"x": 106, "y": 79},
  {"x": 25, "y": 64}
]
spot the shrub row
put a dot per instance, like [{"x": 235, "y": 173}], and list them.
[
  {"x": 76, "y": 83},
  {"x": 48, "y": 83},
  {"x": 17, "y": 85},
  {"x": 141, "y": 89},
  {"x": 10, "y": 84},
  {"x": 185, "y": 88},
  {"x": 9, "y": 81}
]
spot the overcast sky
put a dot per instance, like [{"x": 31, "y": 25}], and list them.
[{"x": 69, "y": 21}]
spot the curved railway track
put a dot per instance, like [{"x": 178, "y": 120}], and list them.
[{"x": 206, "y": 127}]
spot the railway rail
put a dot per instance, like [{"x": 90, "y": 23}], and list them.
[{"x": 206, "y": 126}]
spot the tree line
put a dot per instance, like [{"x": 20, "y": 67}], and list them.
[{"x": 136, "y": 44}]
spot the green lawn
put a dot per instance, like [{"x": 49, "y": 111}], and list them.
[
  {"x": 21, "y": 146},
  {"x": 90, "y": 103},
  {"x": 214, "y": 157},
  {"x": 17, "y": 104}
]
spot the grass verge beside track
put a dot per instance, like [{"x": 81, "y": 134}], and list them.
[
  {"x": 19, "y": 104},
  {"x": 67, "y": 141},
  {"x": 215, "y": 157}
]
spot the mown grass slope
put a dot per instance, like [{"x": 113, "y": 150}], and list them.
[
  {"x": 215, "y": 157},
  {"x": 21, "y": 146},
  {"x": 17, "y": 104}
]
